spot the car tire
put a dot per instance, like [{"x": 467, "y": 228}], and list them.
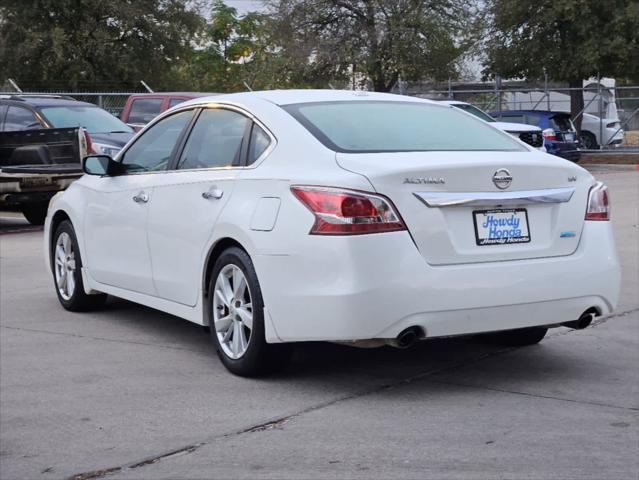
[
  {"x": 519, "y": 338},
  {"x": 236, "y": 318},
  {"x": 589, "y": 141},
  {"x": 66, "y": 265},
  {"x": 35, "y": 213}
]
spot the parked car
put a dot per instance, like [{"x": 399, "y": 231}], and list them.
[
  {"x": 106, "y": 133},
  {"x": 35, "y": 165},
  {"x": 291, "y": 216},
  {"x": 560, "y": 135},
  {"x": 526, "y": 133},
  {"x": 592, "y": 127},
  {"x": 141, "y": 108}
]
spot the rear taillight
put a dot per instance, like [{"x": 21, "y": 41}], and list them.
[
  {"x": 348, "y": 212},
  {"x": 598, "y": 203},
  {"x": 549, "y": 134}
]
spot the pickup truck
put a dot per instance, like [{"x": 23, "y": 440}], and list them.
[{"x": 35, "y": 165}]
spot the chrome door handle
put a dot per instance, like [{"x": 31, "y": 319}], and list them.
[
  {"x": 213, "y": 194},
  {"x": 141, "y": 198}
]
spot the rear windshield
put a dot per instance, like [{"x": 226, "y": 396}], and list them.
[
  {"x": 94, "y": 119},
  {"x": 382, "y": 126}
]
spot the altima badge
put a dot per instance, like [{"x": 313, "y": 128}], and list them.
[
  {"x": 502, "y": 179},
  {"x": 424, "y": 180}
]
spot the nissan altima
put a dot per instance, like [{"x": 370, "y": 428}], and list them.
[{"x": 362, "y": 218}]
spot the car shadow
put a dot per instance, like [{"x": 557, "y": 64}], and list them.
[{"x": 319, "y": 359}]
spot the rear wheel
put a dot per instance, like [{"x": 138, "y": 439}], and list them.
[
  {"x": 589, "y": 141},
  {"x": 520, "y": 337},
  {"x": 67, "y": 272},
  {"x": 35, "y": 213},
  {"x": 237, "y": 318}
]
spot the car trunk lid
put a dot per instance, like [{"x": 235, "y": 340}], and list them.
[{"x": 449, "y": 200}]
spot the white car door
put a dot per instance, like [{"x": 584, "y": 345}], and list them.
[
  {"x": 191, "y": 197},
  {"x": 115, "y": 228}
]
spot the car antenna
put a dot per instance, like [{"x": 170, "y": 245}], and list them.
[
  {"x": 146, "y": 86},
  {"x": 247, "y": 86}
]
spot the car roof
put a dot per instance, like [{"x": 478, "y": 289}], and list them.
[
  {"x": 48, "y": 101},
  {"x": 290, "y": 97}
]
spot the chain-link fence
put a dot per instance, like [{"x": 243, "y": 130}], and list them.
[{"x": 610, "y": 114}]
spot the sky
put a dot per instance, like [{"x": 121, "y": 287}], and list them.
[{"x": 244, "y": 6}]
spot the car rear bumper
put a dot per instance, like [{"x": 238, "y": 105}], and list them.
[
  {"x": 567, "y": 150},
  {"x": 375, "y": 286}
]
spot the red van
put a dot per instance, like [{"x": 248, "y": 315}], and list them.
[{"x": 141, "y": 108}]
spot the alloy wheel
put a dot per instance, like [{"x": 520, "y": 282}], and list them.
[
  {"x": 232, "y": 311},
  {"x": 65, "y": 266}
]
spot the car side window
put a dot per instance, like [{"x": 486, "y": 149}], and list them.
[
  {"x": 175, "y": 101},
  {"x": 154, "y": 149},
  {"x": 143, "y": 110},
  {"x": 215, "y": 141},
  {"x": 513, "y": 119},
  {"x": 19, "y": 118},
  {"x": 258, "y": 143}
]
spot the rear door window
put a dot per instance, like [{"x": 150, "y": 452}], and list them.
[
  {"x": 19, "y": 118},
  {"x": 215, "y": 141},
  {"x": 143, "y": 110}
]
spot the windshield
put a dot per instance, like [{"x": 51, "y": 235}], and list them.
[
  {"x": 94, "y": 119},
  {"x": 383, "y": 126},
  {"x": 475, "y": 111}
]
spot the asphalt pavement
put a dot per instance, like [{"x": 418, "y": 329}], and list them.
[{"x": 132, "y": 393}]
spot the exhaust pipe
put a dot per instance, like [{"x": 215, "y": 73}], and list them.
[
  {"x": 583, "y": 321},
  {"x": 407, "y": 338}
]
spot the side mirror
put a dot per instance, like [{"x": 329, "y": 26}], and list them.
[{"x": 101, "y": 165}]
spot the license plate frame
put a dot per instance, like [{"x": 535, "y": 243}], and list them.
[{"x": 501, "y": 214}]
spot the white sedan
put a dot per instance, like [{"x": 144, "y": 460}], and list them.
[{"x": 361, "y": 218}]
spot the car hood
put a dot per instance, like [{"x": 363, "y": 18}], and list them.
[
  {"x": 516, "y": 127},
  {"x": 114, "y": 139}
]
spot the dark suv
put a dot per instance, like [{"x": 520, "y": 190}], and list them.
[
  {"x": 560, "y": 135},
  {"x": 107, "y": 133}
]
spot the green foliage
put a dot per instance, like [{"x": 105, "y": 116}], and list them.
[
  {"x": 571, "y": 40},
  {"x": 67, "y": 44},
  {"x": 373, "y": 40}
]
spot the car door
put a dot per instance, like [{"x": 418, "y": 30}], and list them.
[
  {"x": 191, "y": 197},
  {"x": 117, "y": 212}
]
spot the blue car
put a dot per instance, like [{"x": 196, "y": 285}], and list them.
[{"x": 560, "y": 135}]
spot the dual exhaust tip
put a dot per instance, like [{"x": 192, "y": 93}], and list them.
[{"x": 411, "y": 335}]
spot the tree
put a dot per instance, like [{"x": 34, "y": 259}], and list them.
[
  {"x": 382, "y": 40},
  {"x": 70, "y": 43},
  {"x": 569, "y": 40}
]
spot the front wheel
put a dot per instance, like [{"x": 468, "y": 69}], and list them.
[
  {"x": 237, "y": 318},
  {"x": 67, "y": 272}
]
